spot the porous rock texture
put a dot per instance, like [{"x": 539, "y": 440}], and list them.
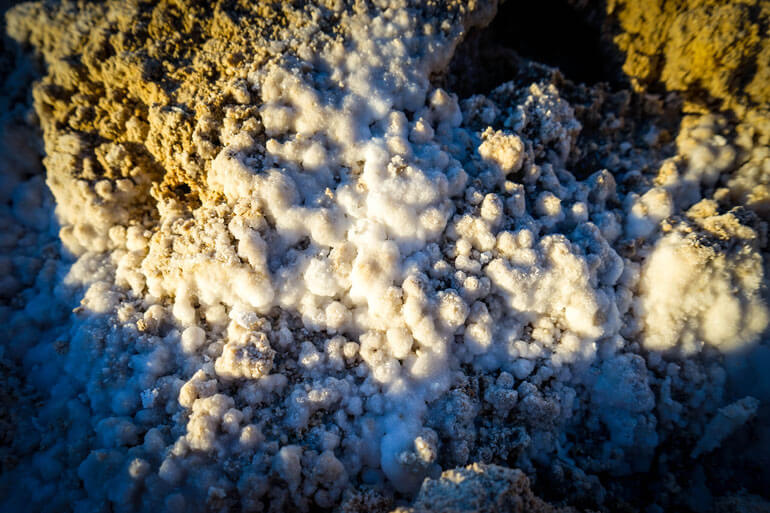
[
  {"x": 479, "y": 487},
  {"x": 713, "y": 51}
]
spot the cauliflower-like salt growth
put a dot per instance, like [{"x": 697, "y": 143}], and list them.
[
  {"x": 503, "y": 150},
  {"x": 302, "y": 269},
  {"x": 624, "y": 398},
  {"x": 478, "y": 487},
  {"x": 691, "y": 295},
  {"x": 249, "y": 356}
]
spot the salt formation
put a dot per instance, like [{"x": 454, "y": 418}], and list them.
[
  {"x": 301, "y": 272},
  {"x": 478, "y": 487}
]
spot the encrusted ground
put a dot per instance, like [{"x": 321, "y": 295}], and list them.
[{"x": 358, "y": 256}]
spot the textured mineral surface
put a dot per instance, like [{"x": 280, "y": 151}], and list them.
[
  {"x": 366, "y": 256},
  {"x": 711, "y": 50}
]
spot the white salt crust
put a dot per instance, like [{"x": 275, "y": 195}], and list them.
[{"x": 316, "y": 324}]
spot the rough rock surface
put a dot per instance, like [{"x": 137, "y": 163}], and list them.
[
  {"x": 715, "y": 52},
  {"x": 479, "y": 487}
]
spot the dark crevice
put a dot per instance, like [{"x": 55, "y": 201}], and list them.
[{"x": 564, "y": 35}]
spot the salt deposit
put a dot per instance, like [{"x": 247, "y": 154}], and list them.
[{"x": 369, "y": 282}]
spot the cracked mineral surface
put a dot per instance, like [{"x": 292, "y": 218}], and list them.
[{"x": 358, "y": 256}]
